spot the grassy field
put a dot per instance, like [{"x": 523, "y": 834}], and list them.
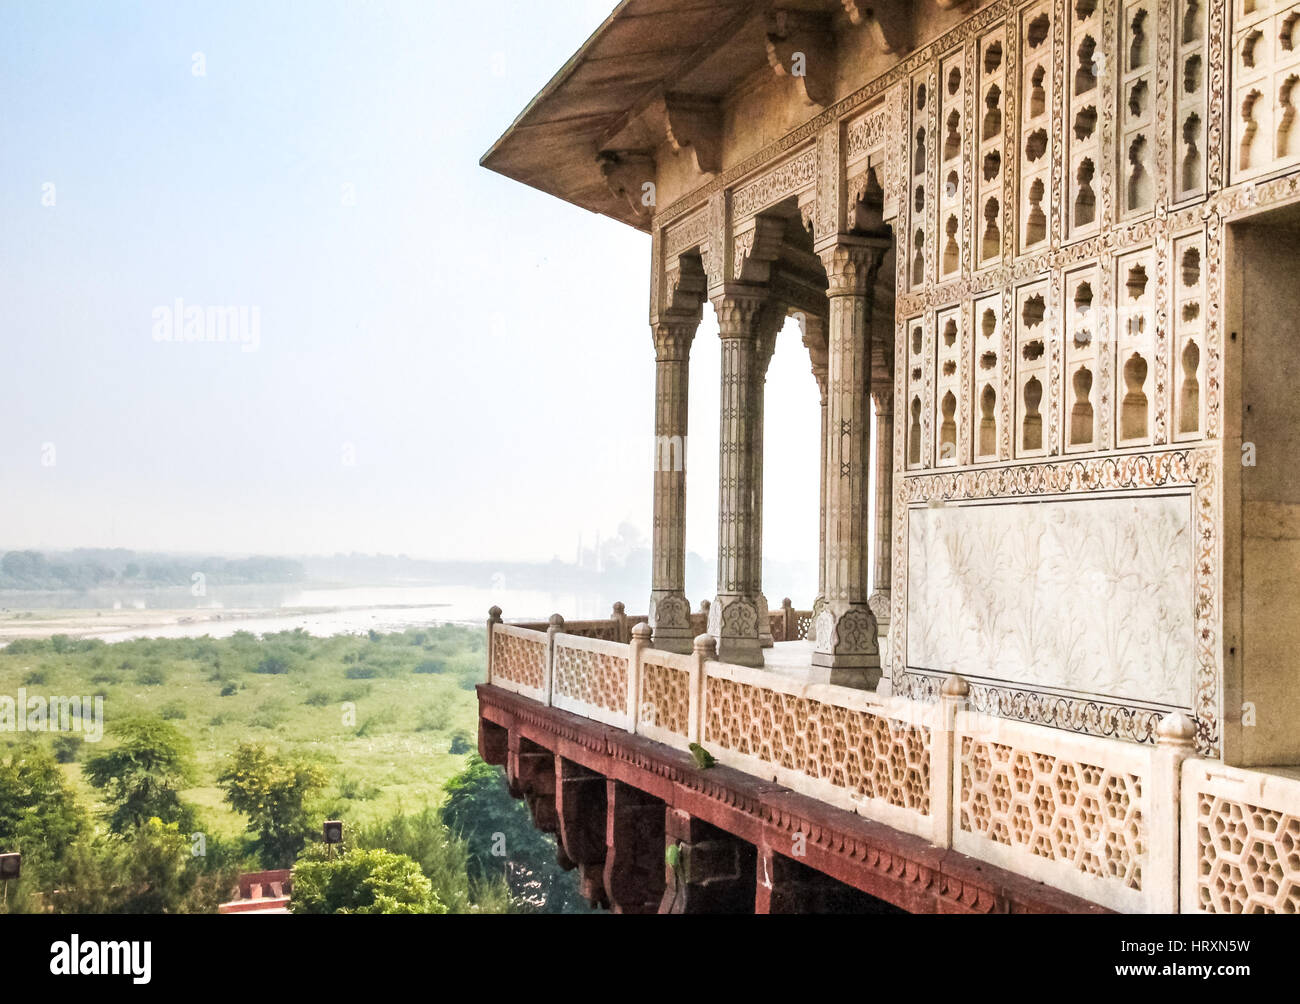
[{"x": 391, "y": 717}]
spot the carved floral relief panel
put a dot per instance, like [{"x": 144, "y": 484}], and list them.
[{"x": 1090, "y": 596}]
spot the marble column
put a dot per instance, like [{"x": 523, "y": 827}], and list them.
[
  {"x": 670, "y": 612},
  {"x": 882, "y": 567},
  {"x": 771, "y": 320},
  {"x": 814, "y": 339},
  {"x": 847, "y": 645},
  {"x": 734, "y": 614}
]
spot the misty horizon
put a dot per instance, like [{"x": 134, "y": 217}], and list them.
[{"x": 433, "y": 343}]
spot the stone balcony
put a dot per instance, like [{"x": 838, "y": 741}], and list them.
[{"x": 831, "y": 798}]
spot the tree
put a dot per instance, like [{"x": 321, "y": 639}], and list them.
[
  {"x": 424, "y": 838},
  {"x": 361, "y": 881},
  {"x": 39, "y": 815},
  {"x": 149, "y": 870},
  {"x": 498, "y": 830},
  {"x": 143, "y": 775},
  {"x": 272, "y": 791}
]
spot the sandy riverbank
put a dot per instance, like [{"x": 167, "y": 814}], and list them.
[{"x": 134, "y": 623}]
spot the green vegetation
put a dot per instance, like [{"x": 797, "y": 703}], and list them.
[
  {"x": 361, "y": 881},
  {"x": 272, "y": 791},
  {"x": 225, "y": 766},
  {"x": 142, "y": 776}
]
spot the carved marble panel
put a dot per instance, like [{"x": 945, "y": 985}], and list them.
[{"x": 1091, "y": 596}]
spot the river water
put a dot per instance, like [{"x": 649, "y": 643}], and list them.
[{"x": 121, "y": 615}]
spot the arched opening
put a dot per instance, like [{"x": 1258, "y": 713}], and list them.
[
  {"x": 1081, "y": 416},
  {"x": 1189, "y": 395},
  {"x": 1031, "y": 434},
  {"x": 988, "y": 437},
  {"x": 1133, "y": 409}
]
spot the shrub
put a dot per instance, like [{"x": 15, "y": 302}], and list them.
[
  {"x": 434, "y": 718},
  {"x": 67, "y": 747},
  {"x": 362, "y": 881},
  {"x": 460, "y": 744},
  {"x": 430, "y": 666},
  {"x": 273, "y": 665}
]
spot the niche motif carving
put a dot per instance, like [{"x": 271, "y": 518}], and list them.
[
  {"x": 1081, "y": 415},
  {"x": 1031, "y": 437}
]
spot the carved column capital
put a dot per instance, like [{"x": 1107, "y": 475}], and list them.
[
  {"x": 739, "y": 312},
  {"x": 852, "y": 263},
  {"x": 673, "y": 338}
]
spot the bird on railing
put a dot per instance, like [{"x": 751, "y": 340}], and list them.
[{"x": 703, "y": 758}]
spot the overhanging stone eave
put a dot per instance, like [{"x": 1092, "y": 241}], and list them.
[
  {"x": 609, "y": 212},
  {"x": 510, "y": 148}
]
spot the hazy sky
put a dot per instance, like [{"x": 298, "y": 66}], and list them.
[{"x": 448, "y": 364}]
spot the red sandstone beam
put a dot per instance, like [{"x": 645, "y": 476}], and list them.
[{"x": 888, "y": 864}]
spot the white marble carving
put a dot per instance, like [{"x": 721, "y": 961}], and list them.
[{"x": 1090, "y": 596}]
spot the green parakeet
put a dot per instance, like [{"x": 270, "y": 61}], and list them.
[{"x": 703, "y": 758}]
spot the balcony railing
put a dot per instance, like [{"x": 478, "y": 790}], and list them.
[
  {"x": 1109, "y": 821},
  {"x": 786, "y": 624}
]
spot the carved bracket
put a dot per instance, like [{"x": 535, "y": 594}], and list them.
[
  {"x": 800, "y": 45},
  {"x": 630, "y": 176},
  {"x": 685, "y": 287},
  {"x": 757, "y": 248},
  {"x": 891, "y": 22},
  {"x": 693, "y": 126}
]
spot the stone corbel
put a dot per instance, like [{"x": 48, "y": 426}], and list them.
[
  {"x": 756, "y": 248},
  {"x": 693, "y": 126},
  {"x": 815, "y": 341},
  {"x": 685, "y": 287},
  {"x": 630, "y": 176},
  {"x": 800, "y": 45},
  {"x": 890, "y": 21},
  {"x": 808, "y": 211}
]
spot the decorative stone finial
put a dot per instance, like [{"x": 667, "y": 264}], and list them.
[
  {"x": 955, "y": 686},
  {"x": 1176, "y": 730},
  {"x": 706, "y": 645},
  {"x": 642, "y": 631},
  {"x": 556, "y": 621},
  {"x": 704, "y": 606},
  {"x": 618, "y": 608},
  {"x": 786, "y": 604},
  {"x": 494, "y": 615}
]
